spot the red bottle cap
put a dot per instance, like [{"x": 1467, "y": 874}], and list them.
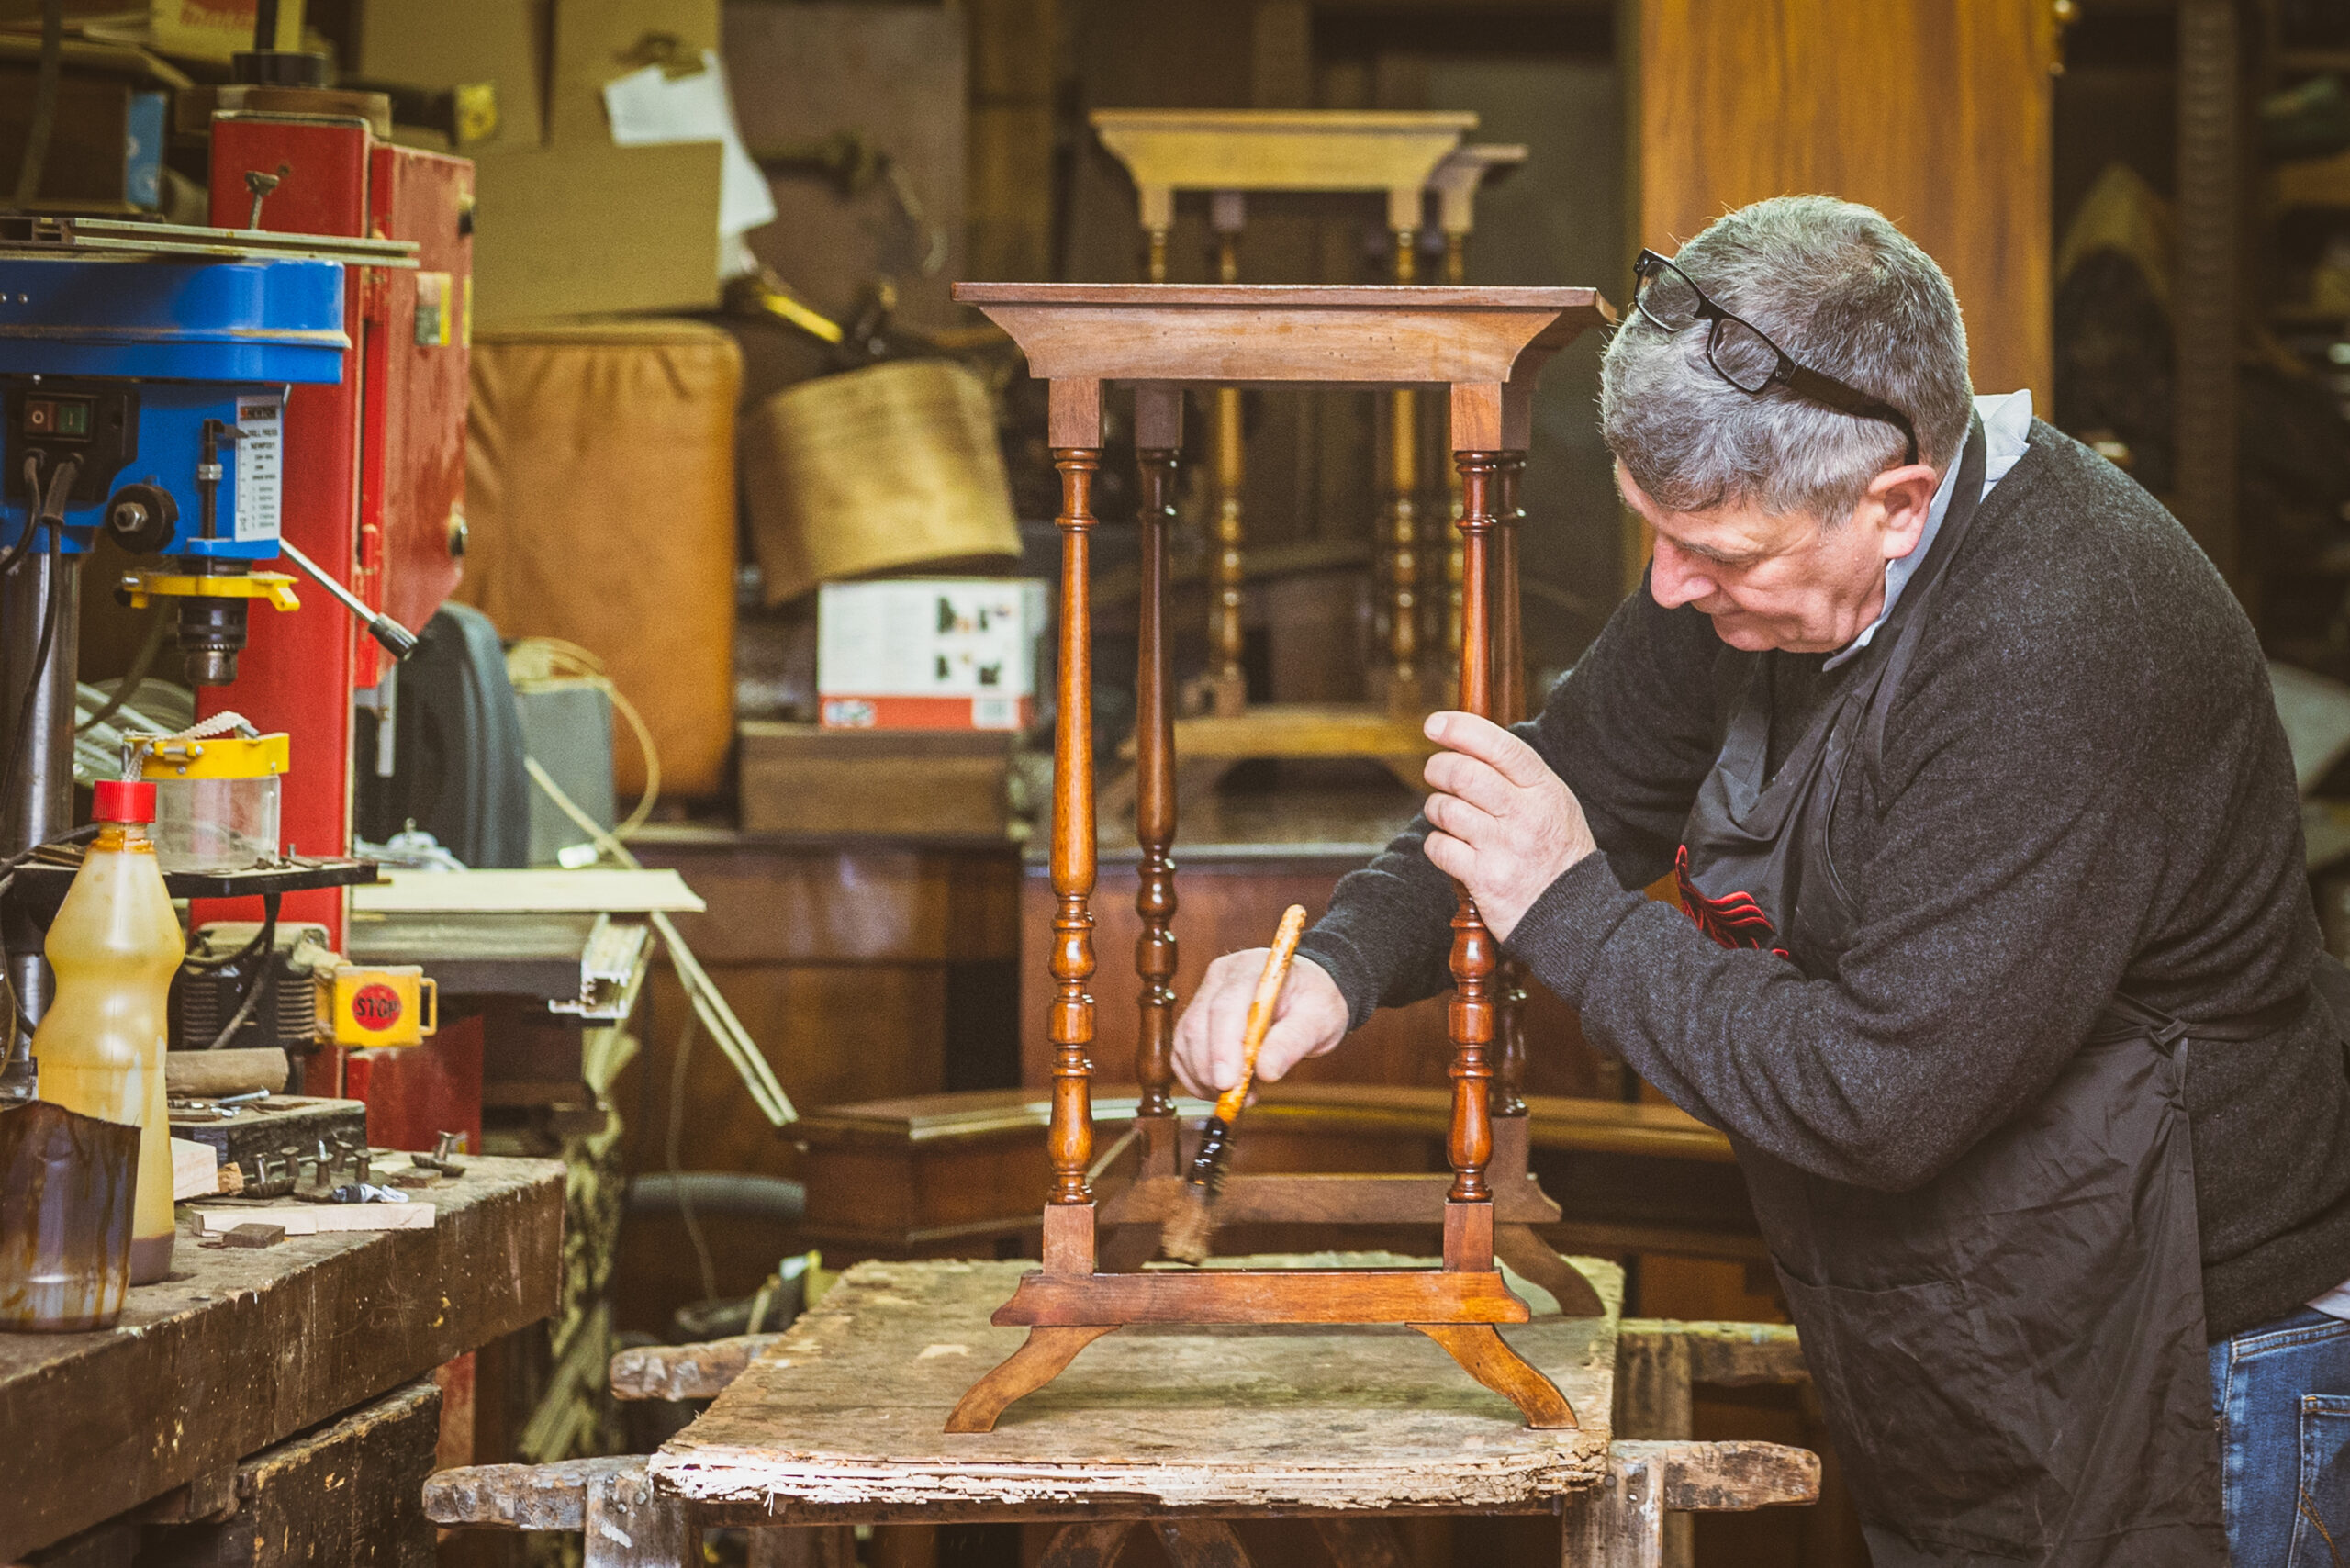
[{"x": 122, "y": 800}]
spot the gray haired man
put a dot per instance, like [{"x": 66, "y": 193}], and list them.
[{"x": 1995, "y": 958}]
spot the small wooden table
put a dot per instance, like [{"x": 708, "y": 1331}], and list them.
[
  {"x": 241, "y": 1348},
  {"x": 836, "y": 1423}
]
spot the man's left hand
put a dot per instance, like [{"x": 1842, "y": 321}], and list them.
[{"x": 1503, "y": 825}]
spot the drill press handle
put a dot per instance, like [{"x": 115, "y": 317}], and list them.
[{"x": 395, "y": 638}]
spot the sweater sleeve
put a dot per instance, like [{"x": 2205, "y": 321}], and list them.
[
  {"x": 1631, "y": 732},
  {"x": 1997, "y": 912}
]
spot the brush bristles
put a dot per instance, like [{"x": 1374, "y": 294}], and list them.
[{"x": 1185, "y": 1235}]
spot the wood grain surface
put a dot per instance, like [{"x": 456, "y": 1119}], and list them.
[
  {"x": 242, "y": 1348},
  {"x": 847, "y": 1409}
]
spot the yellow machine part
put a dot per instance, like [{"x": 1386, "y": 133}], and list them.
[
  {"x": 214, "y": 757},
  {"x": 277, "y": 587},
  {"x": 384, "y": 1004}
]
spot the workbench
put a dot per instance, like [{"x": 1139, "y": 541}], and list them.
[
  {"x": 182, "y": 1411},
  {"x": 837, "y": 1423}
]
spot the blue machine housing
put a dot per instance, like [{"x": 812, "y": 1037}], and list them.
[{"x": 163, "y": 347}]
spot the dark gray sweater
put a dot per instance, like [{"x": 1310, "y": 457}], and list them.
[{"x": 2085, "y": 788}]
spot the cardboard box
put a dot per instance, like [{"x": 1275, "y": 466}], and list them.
[
  {"x": 596, "y": 41},
  {"x": 456, "y": 44},
  {"x": 580, "y": 230},
  {"x": 929, "y": 653},
  {"x": 800, "y": 779},
  {"x": 216, "y": 30}
]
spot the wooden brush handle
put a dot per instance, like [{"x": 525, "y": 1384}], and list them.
[{"x": 1261, "y": 1009}]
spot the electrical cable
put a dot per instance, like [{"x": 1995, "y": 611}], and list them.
[
  {"x": 676, "y": 1134},
  {"x": 131, "y": 681},
  {"x": 34, "y": 508},
  {"x": 50, "y": 614}
]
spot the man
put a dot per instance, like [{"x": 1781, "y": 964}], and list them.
[{"x": 1998, "y": 967}]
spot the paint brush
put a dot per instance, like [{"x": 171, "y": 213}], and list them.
[{"x": 1187, "y": 1231}]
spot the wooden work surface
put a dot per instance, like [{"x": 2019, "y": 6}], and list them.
[
  {"x": 845, "y": 1411},
  {"x": 242, "y": 1348}
]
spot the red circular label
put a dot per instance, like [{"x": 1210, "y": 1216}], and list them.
[{"x": 376, "y": 1006}]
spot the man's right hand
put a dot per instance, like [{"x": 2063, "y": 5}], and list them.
[{"x": 1309, "y": 1020}]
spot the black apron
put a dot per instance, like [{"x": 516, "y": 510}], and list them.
[{"x": 2011, "y": 1357}]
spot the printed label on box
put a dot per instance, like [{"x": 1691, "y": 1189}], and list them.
[{"x": 950, "y": 653}]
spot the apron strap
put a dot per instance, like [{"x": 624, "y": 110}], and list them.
[{"x": 2126, "y": 1017}]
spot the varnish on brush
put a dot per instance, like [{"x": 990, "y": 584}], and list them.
[{"x": 115, "y": 946}]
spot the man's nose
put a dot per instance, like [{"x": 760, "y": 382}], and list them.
[{"x": 1675, "y": 577}]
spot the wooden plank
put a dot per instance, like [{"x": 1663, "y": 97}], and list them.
[
  {"x": 1722, "y": 1355},
  {"x": 626, "y": 1526},
  {"x": 685, "y": 1371},
  {"x": 264, "y": 1343},
  {"x": 349, "y": 1493},
  {"x": 321, "y": 1220},
  {"x": 846, "y": 1412},
  {"x": 593, "y": 891},
  {"x": 1329, "y": 1297},
  {"x": 521, "y": 1497}
]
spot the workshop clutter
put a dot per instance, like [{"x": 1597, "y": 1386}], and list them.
[
  {"x": 600, "y": 503},
  {"x": 68, "y": 1184}
]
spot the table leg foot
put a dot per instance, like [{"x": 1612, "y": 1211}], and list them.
[
  {"x": 1517, "y": 1245},
  {"x": 1040, "y": 1358},
  {"x": 1484, "y": 1355}
]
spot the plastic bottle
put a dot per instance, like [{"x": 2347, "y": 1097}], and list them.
[{"x": 114, "y": 944}]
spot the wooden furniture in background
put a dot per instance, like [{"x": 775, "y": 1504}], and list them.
[
  {"x": 1939, "y": 116},
  {"x": 814, "y": 782},
  {"x": 207, "y": 1373},
  {"x": 880, "y": 1331},
  {"x": 956, "y": 1175},
  {"x": 1485, "y": 346},
  {"x": 1229, "y": 154}
]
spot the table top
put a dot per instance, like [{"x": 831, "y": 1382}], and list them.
[
  {"x": 242, "y": 1348},
  {"x": 848, "y": 1408},
  {"x": 1273, "y": 334}
]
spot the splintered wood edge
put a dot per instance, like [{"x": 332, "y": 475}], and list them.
[
  {"x": 1728, "y": 1476},
  {"x": 1469, "y": 1483},
  {"x": 521, "y": 1497}
]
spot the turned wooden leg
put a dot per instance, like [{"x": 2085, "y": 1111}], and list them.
[
  {"x": 1076, "y": 409},
  {"x": 1158, "y": 417},
  {"x": 1469, "y": 1018},
  {"x": 1484, "y": 1355},
  {"x": 1404, "y": 551},
  {"x": 1042, "y": 1357}
]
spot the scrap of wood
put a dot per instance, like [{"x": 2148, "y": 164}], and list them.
[
  {"x": 604, "y": 891},
  {"x": 1728, "y": 1476},
  {"x": 521, "y": 1497},
  {"x": 847, "y": 1410},
  {"x": 253, "y": 1233},
  {"x": 196, "y": 1169},
  {"x": 1725, "y": 1355},
  {"x": 313, "y": 1219},
  {"x": 204, "y": 1075},
  {"x": 685, "y": 1371}
]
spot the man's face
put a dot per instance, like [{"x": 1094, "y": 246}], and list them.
[{"x": 1783, "y": 580}]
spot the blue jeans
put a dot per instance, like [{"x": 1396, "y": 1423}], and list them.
[{"x": 2282, "y": 1395}]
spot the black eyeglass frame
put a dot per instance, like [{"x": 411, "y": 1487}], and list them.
[{"x": 1792, "y": 374}]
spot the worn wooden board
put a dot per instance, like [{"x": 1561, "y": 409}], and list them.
[
  {"x": 848, "y": 1407},
  {"x": 242, "y": 1348},
  {"x": 594, "y": 892},
  {"x": 350, "y": 1493}
]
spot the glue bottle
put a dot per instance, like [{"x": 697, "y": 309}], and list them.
[{"x": 114, "y": 944}]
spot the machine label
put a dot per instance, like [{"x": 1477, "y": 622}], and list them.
[
  {"x": 376, "y": 1006},
  {"x": 259, "y": 452}
]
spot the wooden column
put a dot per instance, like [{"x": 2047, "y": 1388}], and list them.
[
  {"x": 1403, "y": 519},
  {"x": 1469, "y": 1018},
  {"x": 1159, "y": 435},
  {"x": 1076, "y": 435},
  {"x": 1509, "y": 708},
  {"x": 1227, "y": 687}
]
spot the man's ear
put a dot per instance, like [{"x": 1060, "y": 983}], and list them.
[{"x": 1901, "y": 498}]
